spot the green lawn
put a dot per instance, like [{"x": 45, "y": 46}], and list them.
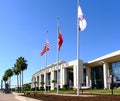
[{"x": 92, "y": 91}]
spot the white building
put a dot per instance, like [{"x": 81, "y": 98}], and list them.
[{"x": 95, "y": 73}]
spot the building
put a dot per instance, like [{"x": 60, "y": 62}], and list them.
[{"x": 95, "y": 74}]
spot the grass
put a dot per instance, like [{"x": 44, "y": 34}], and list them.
[
  {"x": 100, "y": 91},
  {"x": 92, "y": 91}
]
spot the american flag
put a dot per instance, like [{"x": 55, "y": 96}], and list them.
[{"x": 46, "y": 48}]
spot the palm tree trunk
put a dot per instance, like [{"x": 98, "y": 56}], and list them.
[
  {"x": 17, "y": 84},
  {"x": 5, "y": 84},
  {"x": 10, "y": 82},
  {"x": 22, "y": 80}
]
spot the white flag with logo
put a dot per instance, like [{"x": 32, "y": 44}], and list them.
[{"x": 81, "y": 20}]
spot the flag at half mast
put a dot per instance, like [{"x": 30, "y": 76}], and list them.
[
  {"x": 60, "y": 38},
  {"x": 46, "y": 48},
  {"x": 81, "y": 20}
]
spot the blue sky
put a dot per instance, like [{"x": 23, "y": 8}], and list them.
[{"x": 23, "y": 25}]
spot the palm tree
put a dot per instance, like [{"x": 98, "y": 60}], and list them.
[
  {"x": 9, "y": 73},
  {"x": 16, "y": 72},
  {"x": 21, "y": 65},
  {"x": 5, "y": 78}
]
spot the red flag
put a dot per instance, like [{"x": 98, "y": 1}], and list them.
[
  {"x": 46, "y": 48},
  {"x": 60, "y": 39}
]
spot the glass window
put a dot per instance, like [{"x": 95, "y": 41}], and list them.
[
  {"x": 97, "y": 77},
  {"x": 116, "y": 70},
  {"x": 84, "y": 75}
]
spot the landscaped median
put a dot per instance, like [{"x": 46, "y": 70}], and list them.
[
  {"x": 74, "y": 97},
  {"x": 69, "y": 95},
  {"x": 89, "y": 91}
]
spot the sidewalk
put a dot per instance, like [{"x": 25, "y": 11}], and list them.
[
  {"x": 7, "y": 97},
  {"x": 22, "y": 98},
  {"x": 18, "y": 97},
  {"x": 15, "y": 97}
]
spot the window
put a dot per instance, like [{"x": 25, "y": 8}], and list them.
[
  {"x": 116, "y": 70},
  {"x": 97, "y": 77}
]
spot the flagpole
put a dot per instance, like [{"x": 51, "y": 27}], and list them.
[
  {"x": 78, "y": 54},
  {"x": 57, "y": 56},
  {"x": 46, "y": 63}
]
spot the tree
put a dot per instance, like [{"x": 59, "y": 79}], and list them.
[
  {"x": 27, "y": 86},
  {"x": 21, "y": 66},
  {"x": 5, "y": 78},
  {"x": 16, "y": 72},
  {"x": 54, "y": 82},
  {"x": 9, "y": 73},
  {"x": 35, "y": 84},
  {"x": 42, "y": 83},
  {"x": 35, "y": 87}
]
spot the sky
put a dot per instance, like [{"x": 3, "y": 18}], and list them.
[{"x": 23, "y": 26}]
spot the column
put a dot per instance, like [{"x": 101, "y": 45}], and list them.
[
  {"x": 45, "y": 80},
  {"x": 88, "y": 77},
  {"x": 75, "y": 75},
  {"x": 105, "y": 74},
  {"x": 35, "y": 79},
  {"x": 61, "y": 77},
  {"x": 64, "y": 80},
  {"x": 81, "y": 71},
  {"x": 32, "y": 82},
  {"x": 52, "y": 78},
  {"x": 39, "y": 81}
]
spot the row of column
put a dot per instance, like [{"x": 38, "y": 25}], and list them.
[{"x": 63, "y": 76}]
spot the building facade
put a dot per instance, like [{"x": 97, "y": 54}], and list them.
[{"x": 95, "y": 74}]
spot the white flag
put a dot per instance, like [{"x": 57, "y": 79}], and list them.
[{"x": 81, "y": 20}]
